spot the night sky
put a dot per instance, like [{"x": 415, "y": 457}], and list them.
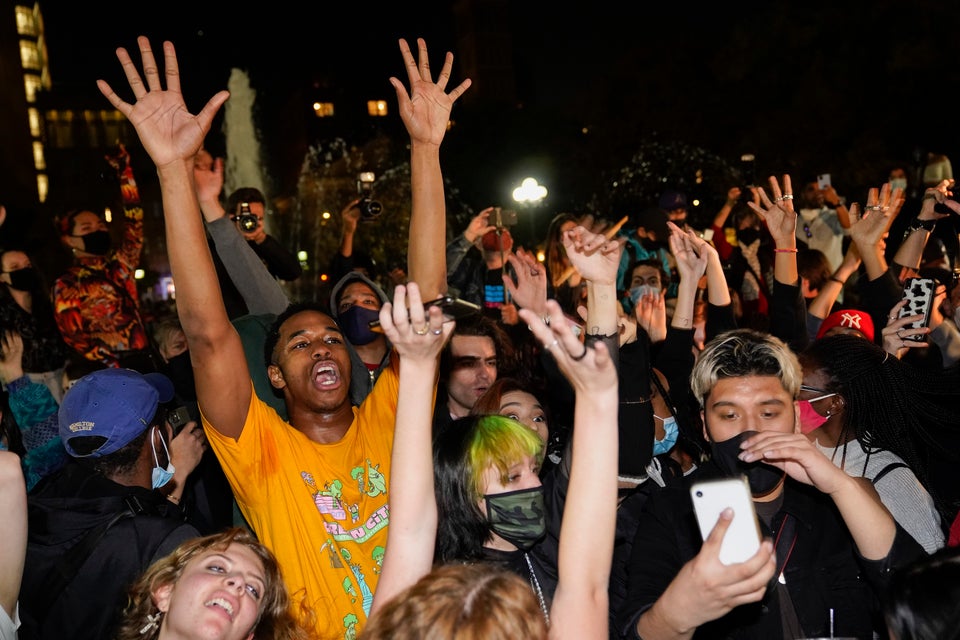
[{"x": 808, "y": 88}]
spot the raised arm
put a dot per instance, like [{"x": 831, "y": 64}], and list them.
[
  {"x": 910, "y": 251},
  {"x": 260, "y": 291},
  {"x": 425, "y": 112},
  {"x": 580, "y": 603},
  {"x": 172, "y": 136},
  {"x": 413, "y": 505}
]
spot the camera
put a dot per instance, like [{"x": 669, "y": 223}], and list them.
[
  {"x": 247, "y": 221},
  {"x": 370, "y": 209},
  {"x": 503, "y": 218}
]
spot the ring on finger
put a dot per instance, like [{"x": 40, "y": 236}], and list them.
[
  {"x": 788, "y": 196},
  {"x": 780, "y": 199},
  {"x": 552, "y": 345},
  {"x": 437, "y": 331},
  {"x": 581, "y": 356},
  {"x": 422, "y": 331}
]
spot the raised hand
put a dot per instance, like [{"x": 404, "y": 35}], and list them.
[
  {"x": 595, "y": 257},
  {"x": 651, "y": 315},
  {"x": 479, "y": 226},
  {"x": 586, "y": 368},
  {"x": 208, "y": 180},
  {"x": 425, "y": 111},
  {"x": 690, "y": 262},
  {"x": 11, "y": 356},
  {"x": 778, "y": 212},
  {"x": 168, "y": 131},
  {"x": 530, "y": 289},
  {"x": 414, "y": 332}
]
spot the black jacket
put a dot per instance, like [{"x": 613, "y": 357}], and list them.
[
  {"x": 824, "y": 570},
  {"x": 61, "y": 510}
]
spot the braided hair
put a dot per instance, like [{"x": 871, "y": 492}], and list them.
[{"x": 891, "y": 405}]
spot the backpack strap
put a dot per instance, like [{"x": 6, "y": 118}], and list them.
[
  {"x": 887, "y": 469},
  {"x": 71, "y": 561}
]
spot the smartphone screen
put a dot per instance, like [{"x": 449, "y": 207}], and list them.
[{"x": 823, "y": 181}]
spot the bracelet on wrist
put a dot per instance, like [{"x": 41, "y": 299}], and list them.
[
  {"x": 836, "y": 279},
  {"x": 916, "y": 225},
  {"x": 785, "y": 250},
  {"x": 174, "y": 499}
]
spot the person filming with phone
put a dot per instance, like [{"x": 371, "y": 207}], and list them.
[
  {"x": 477, "y": 262},
  {"x": 829, "y": 543}
]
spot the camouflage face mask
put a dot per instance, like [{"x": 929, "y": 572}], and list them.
[{"x": 517, "y": 516}]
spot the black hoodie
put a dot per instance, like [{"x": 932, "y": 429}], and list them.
[
  {"x": 62, "y": 509},
  {"x": 361, "y": 380}
]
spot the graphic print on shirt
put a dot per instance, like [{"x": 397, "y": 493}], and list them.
[{"x": 361, "y": 580}]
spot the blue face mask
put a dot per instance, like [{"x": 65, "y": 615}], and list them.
[
  {"x": 161, "y": 476},
  {"x": 355, "y": 324},
  {"x": 641, "y": 290},
  {"x": 670, "y": 435}
]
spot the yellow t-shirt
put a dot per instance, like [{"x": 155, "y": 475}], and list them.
[{"x": 321, "y": 508}]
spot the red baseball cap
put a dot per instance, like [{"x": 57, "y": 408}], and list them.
[{"x": 852, "y": 319}]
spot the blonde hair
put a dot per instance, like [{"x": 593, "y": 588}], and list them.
[
  {"x": 274, "y": 620},
  {"x": 745, "y": 352},
  {"x": 461, "y": 602}
]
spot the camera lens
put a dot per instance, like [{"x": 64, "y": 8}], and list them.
[
  {"x": 248, "y": 222},
  {"x": 370, "y": 209}
]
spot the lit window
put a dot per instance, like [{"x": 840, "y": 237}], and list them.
[
  {"x": 26, "y": 21},
  {"x": 29, "y": 55},
  {"x": 43, "y": 185},
  {"x": 323, "y": 109},
  {"x": 31, "y": 85},
  {"x": 33, "y": 116},
  {"x": 377, "y": 108},
  {"x": 38, "y": 159}
]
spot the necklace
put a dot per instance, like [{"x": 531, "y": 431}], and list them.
[{"x": 536, "y": 587}]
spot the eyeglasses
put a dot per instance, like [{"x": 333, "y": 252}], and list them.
[{"x": 823, "y": 393}]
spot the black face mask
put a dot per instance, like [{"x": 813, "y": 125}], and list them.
[
  {"x": 763, "y": 477},
  {"x": 96, "y": 242},
  {"x": 180, "y": 372},
  {"x": 26, "y": 279},
  {"x": 748, "y": 236}
]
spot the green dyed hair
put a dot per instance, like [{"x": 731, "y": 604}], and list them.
[{"x": 500, "y": 441}]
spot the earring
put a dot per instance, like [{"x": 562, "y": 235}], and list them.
[{"x": 153, "y": 622}]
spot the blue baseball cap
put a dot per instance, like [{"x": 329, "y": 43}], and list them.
[{"x": 105, "y": 410}]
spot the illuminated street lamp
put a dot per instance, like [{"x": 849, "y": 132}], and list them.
[
  {"x": 529, "y": 192},
  {"x": 528, "y": 195}
]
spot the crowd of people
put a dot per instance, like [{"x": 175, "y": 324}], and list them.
[{"x": 367, "y": 466}]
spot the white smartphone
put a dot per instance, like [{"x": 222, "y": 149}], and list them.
[
  {"x": 710, "y": 497},
  {"x": 823, "y": 181}
]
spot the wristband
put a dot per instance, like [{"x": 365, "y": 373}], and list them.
[
  {"x": 916, "y": 225},
  {"x": 836, "y": 279},
  {"x": 785, "y": 251}
]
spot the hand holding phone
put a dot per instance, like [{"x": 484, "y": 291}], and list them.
[
  {"x": 823, "y": 181},
  {"x": 453, "y": 309},
  {"x": 710, "y": 497},
  {"x": 918, "y": 294}
]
